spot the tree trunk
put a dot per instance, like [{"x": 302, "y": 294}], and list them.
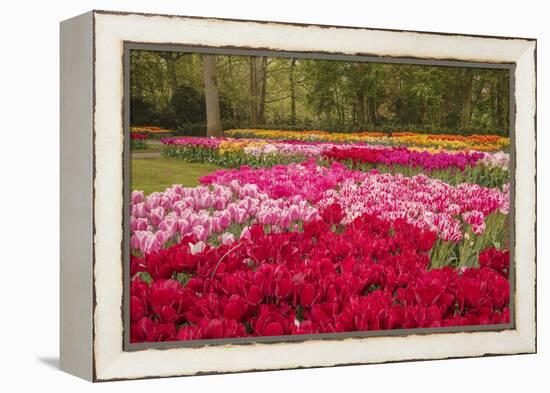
[
  {"x": 339, "y": 111},
  {"x": 213, "y": 119},
  {"x": 360, "y": 98},
  {"x": 263, "y": 89},
  {"x": 171, "y": 58},
  {"x": 258, "y": 89},
  {"x": 502, "y": 104},
  {"x": 360, "y": 73},
  {"x": 292, "y": 83},
  {"x": 373, "y": 116},
  {"x": 234, "y": 108},
  {"x": 173, "y": 76},
  {"x": 253, "y": 92},
  {"x": 467, "y": 98}
]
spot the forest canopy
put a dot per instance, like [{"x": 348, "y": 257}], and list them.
[{"x": 198, "y": 94}]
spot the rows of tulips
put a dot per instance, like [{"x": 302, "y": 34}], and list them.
[
  {"x": 311, "y": 232},
  {"x": 432, "y": 141},
  {"x": 303, "y": 248},
  {"x": 216, "y": 214},
  {"x": 455, "y": 213},
  {"x": 152, "y": 130},
  {"x": 282, "y": 198},
  {"x": 487, "y": 169},
  {"x": 371, "y": 274}
]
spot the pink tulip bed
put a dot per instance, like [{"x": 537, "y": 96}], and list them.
[{"x": 319, "y": 237}]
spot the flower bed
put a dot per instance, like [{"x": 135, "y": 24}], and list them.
[
  {"x": 436, "y": 141},
  {"x": 217, "y": 214},
  {"x": 358, "y": 156},
  {"x": 152, "y": 130},
  {"x": 487, "y": 169},
  {"x": 373, "y": 275},
  {"x": 459, "y": 214},
  {"x": 322, "y": 236},
  {"x": 137, "y": 140},
  {"x": 284, "y": 198}
]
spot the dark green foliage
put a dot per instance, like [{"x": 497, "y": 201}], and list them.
[
  {"x": 305, "y": 94},
  {"x": 186, "y": 106},
  {"x": 186, "y": 112},
  {"x": 142, "y": 112}
]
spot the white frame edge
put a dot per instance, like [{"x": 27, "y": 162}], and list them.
[
  {"x": 76, "y": 193},
  {"x": 111, "y": 30}
]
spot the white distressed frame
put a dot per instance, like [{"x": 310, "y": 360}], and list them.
[{"x": 111, "y": 30}]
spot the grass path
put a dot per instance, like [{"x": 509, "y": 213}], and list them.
[{"x": 155, "y": 174}]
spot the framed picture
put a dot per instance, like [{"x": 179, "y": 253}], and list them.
[{"x": 246, "y": 195}]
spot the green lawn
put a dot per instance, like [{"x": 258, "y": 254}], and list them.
[
  {"x": 151, "y": 148},
  {"x": 155, "y": 174}
]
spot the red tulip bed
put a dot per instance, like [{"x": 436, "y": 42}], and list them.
[
  {"x": 138, "y": 140},
  {"x": 305, "y": 248}
]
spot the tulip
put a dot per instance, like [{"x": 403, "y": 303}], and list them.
[
  {"x": 245, "y": 234},
  {"x": 197, "y": 247},
  {"x": 227, "y": 238},
  {"x": 137, "y": 197},
  {"x": 200, "y": 232}
]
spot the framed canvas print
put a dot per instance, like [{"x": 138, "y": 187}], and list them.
[{"x": 246, "y": 195}]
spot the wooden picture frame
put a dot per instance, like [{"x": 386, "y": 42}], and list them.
[{"x": 94, "y": 188}]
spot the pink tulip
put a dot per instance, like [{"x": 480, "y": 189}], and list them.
[
  {"x": 216, "y": 226},
  {"x": 168, "y": 226},
  {"x": 206, "y": 201},
  {"x": 156, "y": 216},
  {"x": 294, "y": 213},
  {"x": 133, "y": 224},
  {"x": 138, "y": 210},
  {"x": 200, "y": 232},
  {"x": 134, "y": 242},
  {"x": 137, "y": 197},
  {"x": 233, "y": 211},
  {"x": 147, "y": 242},
  {"x": 153, "y": 201},
  {"x": 178, "y": 189},
  {"x": 285, "y": 221},
  {"x": 227, "y": 238},
  {"x": 183, "y": 227},
  {"x": 219, "y": 203},
  {"x": 162, "y": 237},
  {"x": 225, "y": 219},
  {"x": 245, "y": 234}
]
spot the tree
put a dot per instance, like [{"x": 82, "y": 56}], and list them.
[
  {"x": 149, "y": 79},
  {"x": 467, "y": 98},
  {"x": 173, "y": 90},
  {"x": 171, "y": 58},
  {"x": 142, "y": 112},
  {"x": 263, "y": 88},
  {"x": 502, "y": 115},
  {"x": 185, "y": 109},
  {"x": 292, "y": 87},
  {"x": 258, "y": 89},
  {"x": 213, "y": 119}
]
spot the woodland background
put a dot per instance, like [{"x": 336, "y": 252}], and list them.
[{"x": 199, "y": 94}]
